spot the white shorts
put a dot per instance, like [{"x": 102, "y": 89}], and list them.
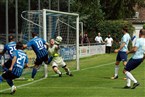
[{"x": 60, "y": 62}]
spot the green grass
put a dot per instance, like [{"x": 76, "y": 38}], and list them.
[{"x": 93, "y": 80}]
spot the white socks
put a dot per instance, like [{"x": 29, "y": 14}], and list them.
[
  {"x": 130, "y": 76},
  {"x": 128, "y": 81},
  {"x": 45, "y": 71},
  {"x": 116, "y": 70}
]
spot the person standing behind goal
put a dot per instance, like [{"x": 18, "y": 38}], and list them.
[
  {"x": 38, "y": 45},
  {"x": 122, "y": 55},
  {"x": 57, "y": 60},
  {"x": 109, "y": 41}
]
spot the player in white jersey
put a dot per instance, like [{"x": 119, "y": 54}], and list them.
[
  {"x": 122, "y": 55},
  {"x": 57, "y": 60},
  {"x": 138, "y": 56}
]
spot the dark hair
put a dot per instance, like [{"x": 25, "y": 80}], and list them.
[
  {"x": 19, "y": 45},
  {"x": 11, "y": 37},
  {"x": 34, "y": 33},
  {"x": 125, "y": 28},
  {"x": 142, "y": 31}
]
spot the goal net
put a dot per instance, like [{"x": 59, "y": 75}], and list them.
[{"x": 49, "y": 24}]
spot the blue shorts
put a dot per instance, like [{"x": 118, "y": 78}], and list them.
[
  {"x": 132, "y": 64},
  {"x": 9, "y": 75},
  {"x": 8, "y": 63},
  {"x": 39, "y": 61},
  {"x": 121, "y": 56}
]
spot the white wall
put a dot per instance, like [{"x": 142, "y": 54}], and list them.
[
  {"x": 136, "y": 32},
  {"x": 137, "y": 29},
  {"x": 91, "y": 50}
]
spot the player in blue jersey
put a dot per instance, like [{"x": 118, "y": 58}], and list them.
[
  {"x": 10, "y": 47},
  {"x": 138, "y": 56},
  {"x": 122, "y": 55},
  {"x": 38, "y": 45},
  {"x": 19, "y": 61}
]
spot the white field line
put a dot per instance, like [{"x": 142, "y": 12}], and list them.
[{"x": 55, "y": 75}]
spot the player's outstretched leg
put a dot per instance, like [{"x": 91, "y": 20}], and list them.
[
  {"x": 56, "y": 70},
  {"x": 67, "y": 71}
]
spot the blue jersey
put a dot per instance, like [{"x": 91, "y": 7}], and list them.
[
  {"x": 125, "y": 39},
  {"x": 140, "y": 44},
  {"x": 37, "y": 45},
  {"x": 10, "y": 47},
  {"x": 21, "y": 60}
]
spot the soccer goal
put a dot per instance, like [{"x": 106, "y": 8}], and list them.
[{"x": 49, "y": 24}]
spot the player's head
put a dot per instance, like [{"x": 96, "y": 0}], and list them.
[
  {"x": 11, "y": 38},
  {"x": 142, "y": 33},
  {"x": 34, "y": 34},
  {"x": 109, "y": 35},
  {"x": 124, "y": 29},
  {"x": 19, "y": 45},
  {"x": 52, "y": 41},
  {"x": 99, "y": 34}
]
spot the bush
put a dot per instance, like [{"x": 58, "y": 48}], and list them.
[{"x": 143, "y": 26}]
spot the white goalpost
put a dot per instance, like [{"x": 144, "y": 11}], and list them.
[{"x": 51, "y": 23}]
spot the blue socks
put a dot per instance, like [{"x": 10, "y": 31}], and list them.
[
  {"x": 1, "y": 79},
  {"x": 34, "y": 72},
  {"x": 50, "y": 59},
  {"x": 10, "y": 82}
]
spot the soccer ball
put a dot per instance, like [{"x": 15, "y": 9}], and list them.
[{"x": 58, "y": 39}]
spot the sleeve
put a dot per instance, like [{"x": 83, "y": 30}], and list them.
[
  {"x": 137, "y": 43},
  {"x": 124, "y": 39},
  {"x": 105, "y": 39},
  {"x": 101, "y": 39},
  {"x": 29, "y": 44},
  {"x": 5, "y": 48},
  {"x": 14, "y": 53},
  {"x": 26, "y": 61},
  {"x": 95, "y": 38},
  {"x": 111, "y": 39}
]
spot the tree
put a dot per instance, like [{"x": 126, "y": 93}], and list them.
[
  {"x": 119, "y": 9},
  {"x": 90, "y": 12}
]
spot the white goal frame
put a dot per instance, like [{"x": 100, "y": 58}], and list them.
[{"x": 77, "y": 30}]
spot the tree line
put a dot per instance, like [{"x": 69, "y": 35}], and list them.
[{"x": 92, "y": 12}]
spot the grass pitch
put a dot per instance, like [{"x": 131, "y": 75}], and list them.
[{"x": 93, "y": 80}]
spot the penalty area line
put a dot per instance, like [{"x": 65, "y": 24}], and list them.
[{"x": 55, "y": 75}]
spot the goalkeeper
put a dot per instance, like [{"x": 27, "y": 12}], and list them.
[{"x": 57, "y": 60}]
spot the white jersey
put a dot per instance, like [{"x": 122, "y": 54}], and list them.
[
  {"x": 140, "y": 44},
  {"x": 109, "y": 41},
  {"x": 57, "y": 59},
  {"x": 125, "y": 39},
  {"x": 98, "y": 39}
]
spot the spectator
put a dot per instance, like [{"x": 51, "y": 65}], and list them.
[
  {"x": 86, "y": 40},
  {"x": 108, "y": 41},
  {"x": 99, "y": 39}
]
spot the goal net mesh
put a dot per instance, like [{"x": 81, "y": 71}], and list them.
[{"x": 56, "y": 24}]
